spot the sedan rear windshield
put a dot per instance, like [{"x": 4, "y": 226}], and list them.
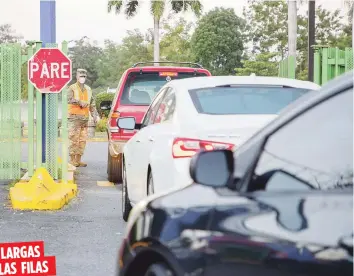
[
  {"x": 140, "y": 89},
  {"x": 244, "y": 99}
]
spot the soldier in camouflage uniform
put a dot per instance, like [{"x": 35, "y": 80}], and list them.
[{"x": 81, "y": 104}]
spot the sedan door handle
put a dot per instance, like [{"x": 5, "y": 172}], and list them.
[
  {"x": 151, "y": 139},
  {"x": 137, "y": 141}
]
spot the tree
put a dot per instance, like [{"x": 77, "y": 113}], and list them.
[
  {"x": 217, "y": 42},
  {"x": 350, "y": 6},
  {"x": 262, "y": 65},
  {"x": 329, "y": 30},
  {"x": 8, "y": 35},
  {"x": 175, "y": 42},
  {"x": 267, "y": 23},
  {"x": 267, "y": 31},
  {"x": 85, "y": 55},
  {"x": 157, "y": 9},
  {"x": 116, "y": 58}
]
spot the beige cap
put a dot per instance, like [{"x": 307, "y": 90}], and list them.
[{"x": 81, "y": 72}]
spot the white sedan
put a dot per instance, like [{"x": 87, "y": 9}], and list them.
[{"x": 193, "y": 114}]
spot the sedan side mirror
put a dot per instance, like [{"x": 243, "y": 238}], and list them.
[
  {"x": 213, "y": 168},
  {"x": 106, "y": 105},
  {"x": 127, "y": 123}
]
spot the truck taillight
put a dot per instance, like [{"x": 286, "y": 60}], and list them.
[
  {"x": 113, "y": 120},
  {"x": 187, "y": 147},
  {"x": 115, "y": 114}
]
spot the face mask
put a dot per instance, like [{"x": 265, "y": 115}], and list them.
[{"x": 82, "y": 80}]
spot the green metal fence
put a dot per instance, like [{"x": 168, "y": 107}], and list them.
[
  {"x": 287, "y": 68},
  {"x": 331, "y": 62},
  {"x": 10, "y": 111},
  {"x": 11, "y": 62}
]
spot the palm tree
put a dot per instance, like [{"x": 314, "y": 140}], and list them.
[{"x": 157, "y": 9}]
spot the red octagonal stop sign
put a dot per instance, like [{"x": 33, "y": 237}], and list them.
[{"x": 49, "y": 70}]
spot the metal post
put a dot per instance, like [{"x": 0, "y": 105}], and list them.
[
  {"x": 48, "y": 35},
  {"x": 292, "y": 28},
  {"x": 64, "y": 126},
  {"x": 317, "y": 66},
  {"x": 30, "y": 119},
  {"x": 324, "y": 65},
  {"x": 38, "y": 122},
  {"x": 311, "y": 38}
]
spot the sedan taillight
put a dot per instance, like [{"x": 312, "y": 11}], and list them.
[{"x": 187, "y": 147}]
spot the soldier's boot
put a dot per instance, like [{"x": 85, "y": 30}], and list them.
[
  {"x": 81, "y": 164},
  {"x": 73, "y": 161}
]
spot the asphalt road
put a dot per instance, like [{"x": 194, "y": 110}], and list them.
[{"x": 86, "y": 234}]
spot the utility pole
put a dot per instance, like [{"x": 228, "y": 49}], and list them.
[
  {"x": 47, "y": 35},
  {"x": 311, "y": 38},
  {"x": 292, "y": 28}
]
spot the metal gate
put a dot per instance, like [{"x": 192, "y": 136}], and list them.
[
  {"x": 331, "y": 63},
  {"x": 10, "y": 111}
]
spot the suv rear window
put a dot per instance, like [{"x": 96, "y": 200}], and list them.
[
  {"x": 244, "y": 100},
  {"x": 140, "y": 89}
]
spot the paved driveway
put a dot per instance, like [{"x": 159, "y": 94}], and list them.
[{"x": 85, "y": 235}]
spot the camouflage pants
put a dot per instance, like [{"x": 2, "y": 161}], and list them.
[{"x": 77, "y": 136}]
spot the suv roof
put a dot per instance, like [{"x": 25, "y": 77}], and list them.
[
  {"x": 165, "y": 62},
  {"x": 140, "y": 66}
]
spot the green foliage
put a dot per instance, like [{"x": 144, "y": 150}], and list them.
[
  {"x": 217, "y": 42},
  {"x": 157, "y": 9},
  {"x": 119, "y": 57},
  {"x": 263, "y": 65},
  {"x": 103, "y": 97},
  {"x": 85, "y": 55},
  {"x": 267, "y": 27},
  {"x": 175, "y": 43},
  {"x": 329, "y": 29},
  {"x": 267, "y": 30},
  {"x": 101, "y": 125},
  {"x": 346, "y": 37},
  {"x": 8, "y": 35}
]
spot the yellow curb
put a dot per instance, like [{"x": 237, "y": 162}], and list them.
[
  {"x": 41, "y": 192},
  {"x": 105, "y": 184}
]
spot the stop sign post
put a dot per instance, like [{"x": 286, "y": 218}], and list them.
[{"x": 49, "y": 70}]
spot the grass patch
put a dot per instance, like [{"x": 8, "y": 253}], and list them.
[
  {"x": 102, "y": 125},
  {"x": 13, "y": 182},
  {"x": 60, "y": 175}
]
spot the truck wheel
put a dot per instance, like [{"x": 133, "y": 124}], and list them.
[{"x": 114, "y": 168}]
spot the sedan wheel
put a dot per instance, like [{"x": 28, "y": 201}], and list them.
[
  {"x": 159, "y": 269},
  {"x": 126, "y": 205}
]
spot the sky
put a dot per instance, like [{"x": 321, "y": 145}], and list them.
[{"x": 78, "y": 18}]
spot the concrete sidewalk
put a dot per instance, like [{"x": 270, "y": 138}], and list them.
[{"x": 86, "y": 234}]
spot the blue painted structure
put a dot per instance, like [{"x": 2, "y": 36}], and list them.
[{"x": 47, "y": 35}]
